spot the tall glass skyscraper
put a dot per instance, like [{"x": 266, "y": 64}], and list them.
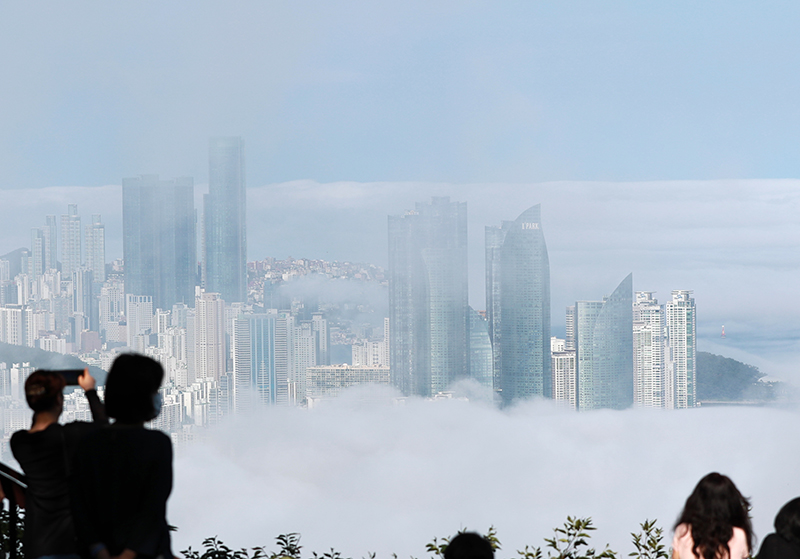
[
  {"x": 428, "y": 290},
  {"x": 604, "y": 343},
  {"x": 158, "y": 239},
  {"x": 518, "y": 306},
  {"x": 253, "y": 350},
  {"x": 224, "y": 224}
]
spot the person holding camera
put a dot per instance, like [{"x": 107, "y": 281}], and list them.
[{"x": 46, "y": 454}]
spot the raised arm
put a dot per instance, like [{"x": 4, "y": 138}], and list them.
[{"x": 88, "y": 383}]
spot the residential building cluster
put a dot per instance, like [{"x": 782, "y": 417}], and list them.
[{"x": 231, "y": 336}]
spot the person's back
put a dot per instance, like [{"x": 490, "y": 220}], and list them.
[
  {"x": 126, "y": 477},
  {"x": 124, "y": 471},
  {"x": 785, "y": 542},
  {"x": 46, "y": 454},
  {"x": 714, "y": 523}
]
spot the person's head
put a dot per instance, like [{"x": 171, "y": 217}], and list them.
[
  {"x": 787, "y": 523},
  {"x": 713, "y": 510},
  {"x": 132, "y": 388},
  {"x": 43, "y": 391},
  {"x": 469, "y": 545}
]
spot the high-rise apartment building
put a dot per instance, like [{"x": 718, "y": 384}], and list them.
[
  {"x": 209, "y": 336},
  {"x": 681, "y": 348},
  {"x": 648, "y": 351},
  {"x": 604, "y": 345},
  {"x": 158, "y": 223},
  {"x": 518, "y": 306},
  {"x": 95, "y": 236},
  {"x": 38, "y": 245},
  {"x": 564, "y": 372},
  {"x": 224, "y": 223},
  {"x": 428, "y": 309},
  {"x": 70, "y": 241},
  {"x": 253, "y": 348},
  {"x": 139, "y": 316},
  {"x": 50, "y": 245}
]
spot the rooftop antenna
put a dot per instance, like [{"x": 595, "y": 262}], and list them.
[{"x": 723, "y": 331}]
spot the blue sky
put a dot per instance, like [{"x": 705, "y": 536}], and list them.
[{"x": 365, "y": 91}]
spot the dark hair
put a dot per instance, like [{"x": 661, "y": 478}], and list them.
[
  {"x": 469, "y": 545},
  {"x": 42, "y": 389},
  {"x": 713, "y": 509},
  {"x": 130, "y": 386},
  {"x": 787, "y": 522}
]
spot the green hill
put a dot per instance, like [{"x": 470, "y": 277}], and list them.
[{"x": 725, "y": 379}]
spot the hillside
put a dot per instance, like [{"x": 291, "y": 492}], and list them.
[
  {"x": 722, "y": 378},
  {"x": 40, "y": 359}
]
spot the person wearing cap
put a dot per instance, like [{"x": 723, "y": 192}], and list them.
[{"x": 46, "y": 453}]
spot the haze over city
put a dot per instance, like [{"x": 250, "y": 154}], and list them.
[{"x": 659, "y": 141}]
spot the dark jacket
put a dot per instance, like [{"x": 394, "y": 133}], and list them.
[{"x": 775, "y": 547}]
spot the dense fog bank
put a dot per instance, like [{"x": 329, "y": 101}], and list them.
[{"x": 365, "y": 474}]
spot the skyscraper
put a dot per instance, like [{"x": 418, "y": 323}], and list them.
[
  {"x": 95, "y": 235},
  {"x": 253, "y": 351},
  {"x": 518, "y": 306},
  {"x": 428, "y": 309},
  {"x": 224, "y": 223},
  {"x": 604, "y": 344},
  {"x": 648, "y": 351},
  {"x": 158, "y": 223},
  {"x": 70, "y": 241},
  {"x": 209, "y": 336},
  {"x": 50, "y": 246},
  {"x": 681, "y": 348}
]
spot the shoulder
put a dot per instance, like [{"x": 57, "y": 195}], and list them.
[
  {"x": 738, "y": 544},
  {"x": 682, "y": 542}
]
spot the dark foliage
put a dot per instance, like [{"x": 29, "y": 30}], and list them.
[
  {"x": 5, "y": 542},
  {"x": 722, "y": 378}
]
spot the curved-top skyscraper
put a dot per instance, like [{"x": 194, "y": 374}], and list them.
[{"x": 518, "y": 306}]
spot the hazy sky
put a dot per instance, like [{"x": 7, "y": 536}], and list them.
[
  {"x": 423, "y": 91},
  {"x": 354, "y": 110}
]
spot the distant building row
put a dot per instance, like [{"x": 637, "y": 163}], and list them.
[{"x": 615, "y": 353}]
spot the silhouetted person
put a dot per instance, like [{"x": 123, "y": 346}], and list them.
[
  {"x": 124, "y": 474},
  {"x": 46, "y": 454},
  {"x": 469, "y": 545},
  {"x": 785, "y": 542},
  {"x": 715, "y": 523}
]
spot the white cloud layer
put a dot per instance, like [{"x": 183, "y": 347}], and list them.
[{"x": 363, "y": 475}]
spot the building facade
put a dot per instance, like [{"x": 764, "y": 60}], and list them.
[
  {"x": 428, "y": 289},
  {"x": 518, "y": 306},
  {"x": 224, "y": 223},
  {"x": 648, "y": 352},
  {"x": 681, "y": 348},
  {"x": 159, "y": 240},
  {"x": 604, "y": 346}
]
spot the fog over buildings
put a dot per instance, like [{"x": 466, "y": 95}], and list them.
[{"x": 579, "y": 196}]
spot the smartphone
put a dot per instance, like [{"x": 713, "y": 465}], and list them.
[{"x": 71, "y": 376}]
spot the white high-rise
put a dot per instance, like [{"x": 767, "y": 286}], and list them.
[
  {"x": 139, "y": 314},
  {"x": 681, "y": 347},
  {"x": 564, "y": 372},
  {"x": 70, "y": 241},
  {"x": 96, "y": 249},
  {"x": 648, "y": 352},
  {"x": 209, "y": 336}
]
